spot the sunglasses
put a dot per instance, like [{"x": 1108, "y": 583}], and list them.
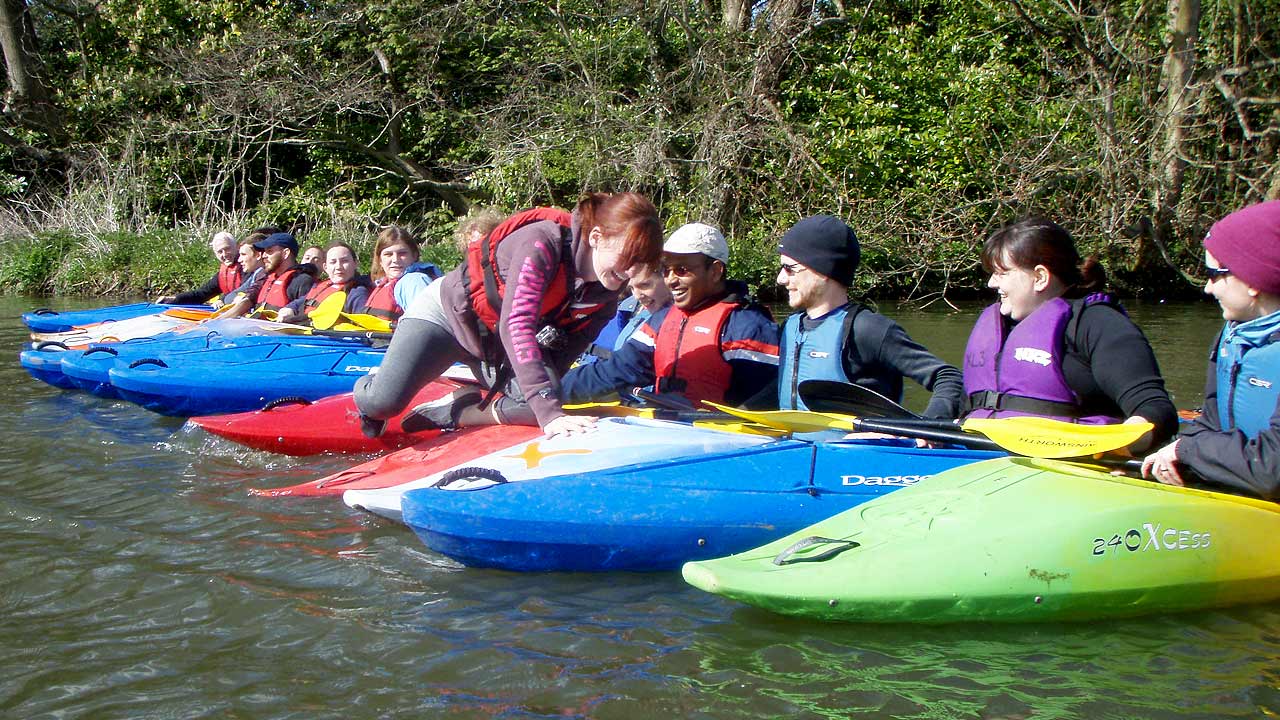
[
  {"x": 682, "y": 270},
  {"x": 792, "y": 268},
  {"x": 1217, "y": 273}
]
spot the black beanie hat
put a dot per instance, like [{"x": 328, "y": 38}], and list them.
[{"x": 824, "y": 244}]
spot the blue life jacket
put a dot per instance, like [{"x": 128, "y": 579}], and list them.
[
  {"x": 816, "y": 354},
  {"x": 1249, "y": 374}
]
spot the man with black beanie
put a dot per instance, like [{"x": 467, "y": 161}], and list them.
[{"x": 831, "y": 338}]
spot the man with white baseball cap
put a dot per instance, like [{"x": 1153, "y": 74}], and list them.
[{"x": 713, "y": 343}]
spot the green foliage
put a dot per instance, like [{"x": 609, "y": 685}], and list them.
[{"x": 924, "y": 123}]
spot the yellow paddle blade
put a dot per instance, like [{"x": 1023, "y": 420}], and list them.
[
  {"x": 367, "y": 322},
  {"x": 793, "y": 420},
  {"x": 607, "y": 409},
  {"x": 1045, "y": 438},
  {"x": 325, "y": 315},
  {"x": 188, "y": 314},
  {"x": 741, "y": 427}
]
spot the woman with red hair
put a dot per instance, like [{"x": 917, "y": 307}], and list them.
[{"x": 527, "y": 301}]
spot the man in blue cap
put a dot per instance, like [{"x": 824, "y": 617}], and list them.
[
  {"x": 286, "y": 280},
  {"x": 831, "y": 338}
]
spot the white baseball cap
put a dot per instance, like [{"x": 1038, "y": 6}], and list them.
[{"x": 698, "y": 238}]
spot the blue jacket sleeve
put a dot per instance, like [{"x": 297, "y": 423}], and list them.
[
  {"x": 1227, "y": 457},
  {"x": 629, "y": 366},
  {"x": 749, "y": 342}
]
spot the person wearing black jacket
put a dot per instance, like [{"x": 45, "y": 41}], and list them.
[
  {"x": 1235, "y": 443},
  {"x": 225, "y": 281},
  {"x": 831, "y": 338}
]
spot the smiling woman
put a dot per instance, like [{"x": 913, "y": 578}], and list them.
[
  {"x": 1053, "y": 345},
  {"x": 528, "y": 300},
  {"x": 1236, "y": 441}
]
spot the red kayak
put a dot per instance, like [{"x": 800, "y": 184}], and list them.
[
  {"x": 299, "y": 427},
  {"x": 412, "y": 463}
]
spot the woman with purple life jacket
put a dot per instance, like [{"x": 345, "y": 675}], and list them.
[
  {"x": 528, "y": 300},
  {"x": 1054, "y": 345}
]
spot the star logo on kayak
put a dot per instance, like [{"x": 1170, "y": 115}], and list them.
[{"x": 533, "y": 455}]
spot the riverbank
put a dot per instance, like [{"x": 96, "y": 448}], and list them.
[
  {"x": 158, "y": 262},
  {"x": 144, "y": 264}
]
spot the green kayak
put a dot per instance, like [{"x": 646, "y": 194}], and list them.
[{"x": 1014, "y": 539}]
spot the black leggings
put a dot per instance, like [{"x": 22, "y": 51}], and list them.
[{"x": 420, "y": 351}]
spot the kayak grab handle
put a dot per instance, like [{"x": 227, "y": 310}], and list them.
[
  {"x": 471, "y": 473},
  {"x": 46, "y": 344},
  {"x": 837, "y": 547},
  {"x": 287, "y": 400},
  {"x": 108, "y": 350},
  {"x": 148, "y": 361}
]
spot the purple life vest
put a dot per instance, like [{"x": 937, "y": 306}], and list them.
[{"x": 1018, "y": 372}]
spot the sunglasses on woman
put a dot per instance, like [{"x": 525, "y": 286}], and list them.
[{"x": 1217, "y": 273}]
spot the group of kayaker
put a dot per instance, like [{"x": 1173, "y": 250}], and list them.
[
  {"x": 266, "y": 278},
  {"x": 537, "y": 288}
]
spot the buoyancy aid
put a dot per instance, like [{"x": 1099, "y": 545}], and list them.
[
  {"x": 1017, "y": 371},
  {"x": 687, "y": 357},
  {"x": 275, "y": 290},
  {"x": 382, "y": 300},
  {"x": 486, "y": 287},
  {"x": 230, "y": 277},
  {"x": 318, "y": 293},
  {"x": 816, "y": 354},
  {"x": 1248, "y": 374}
]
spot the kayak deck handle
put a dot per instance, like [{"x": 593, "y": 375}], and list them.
[
  {"x": 288, "y": 400},
  {"x": 96, "y": 350},
  {"x": 149, "y": 361},
  {"x": 837, "y": 546},
  {"x": 50, "y": 345},
  {"x": 471, "y": 473}
]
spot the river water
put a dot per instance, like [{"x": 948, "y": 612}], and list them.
[{"x": 140, "y": 580}]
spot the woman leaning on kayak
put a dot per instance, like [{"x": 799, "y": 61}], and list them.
[
  {"x": 1236, "y": 440},
  {"x": 525, "y": 303},
  {"x": 1054, "y": 345}
]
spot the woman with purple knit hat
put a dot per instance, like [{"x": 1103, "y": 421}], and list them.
[{"x": 1236, "y": 441}]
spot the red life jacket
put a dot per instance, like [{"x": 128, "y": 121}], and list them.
[
  {"x": 275, "y": 290},
  {"x": 486, "y": 287},
  {"x": 317, "y": 295},
  {"x": 382, "y": 301},
  {"x": 687, "y": 349},
  {"x": 230, "y": 277}
]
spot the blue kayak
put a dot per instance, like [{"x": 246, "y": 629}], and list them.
[
  {"x": 88, "y": 369},
  {"x": 91, "y": 369},
  {"x": 186, "y": 384},
  {"x": 50, "y": 321},
  {"x": 659, "y": 515}
]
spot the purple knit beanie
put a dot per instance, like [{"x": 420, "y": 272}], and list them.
[{"x": 1247, "y": 242}]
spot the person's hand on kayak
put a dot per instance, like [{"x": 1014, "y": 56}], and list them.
[
  {"x": 570, "y": 425},
  {"x": 1162, "y": 465}
]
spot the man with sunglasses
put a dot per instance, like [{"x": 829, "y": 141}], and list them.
[
  {"x": 712, "y": 343},
  {"x": 831, "y": 338}
]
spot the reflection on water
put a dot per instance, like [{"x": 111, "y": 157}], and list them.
[{"x": 141, "y": 580}]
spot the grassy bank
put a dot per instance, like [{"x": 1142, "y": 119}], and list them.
[{"x": 145, "y": 264}]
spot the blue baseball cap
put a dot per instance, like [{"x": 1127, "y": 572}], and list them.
[{"x": 278, "y": 240}]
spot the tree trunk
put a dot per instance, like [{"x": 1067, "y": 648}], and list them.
[
  {"x": 1170, "y": 163},
  {"x": 27, "y": 100}
]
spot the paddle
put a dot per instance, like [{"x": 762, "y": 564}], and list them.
[
  {"x": 1034, "y": 437},
  {"x": 849, "y": 399},
  {"x": 325, "y": 315},
  {"x": 363, "y": 321}
]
